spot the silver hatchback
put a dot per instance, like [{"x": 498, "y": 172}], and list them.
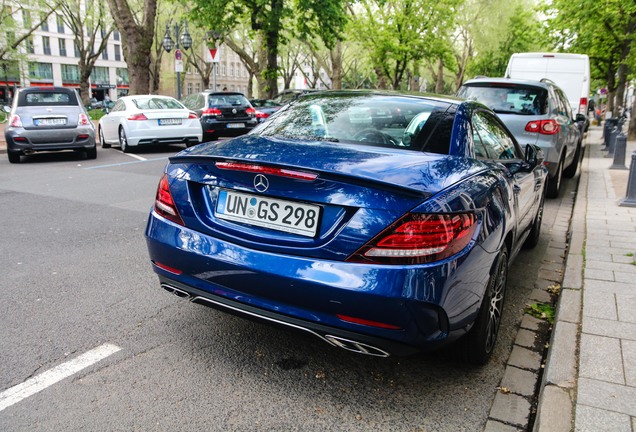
[
  {"x": 536, "y": 112},
  {"x": 48, "y": 119}
]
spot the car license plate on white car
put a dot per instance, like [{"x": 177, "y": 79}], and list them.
[
  {"x": 50, "y": 122},
  {"x": 279, "y": 215},
  {"x": 235, "y": 125},
  {"x": 170, "y": 121}
]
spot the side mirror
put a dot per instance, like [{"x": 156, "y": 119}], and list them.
[
  {"x": 534, "y": 155},
  {"x": 6, "y": 108},
  {"x": 580, "y": 118}
]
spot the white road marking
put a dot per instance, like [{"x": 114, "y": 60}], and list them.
[
  {"x": 135, "y": 156},
  {"x": 38, "y": 383}
]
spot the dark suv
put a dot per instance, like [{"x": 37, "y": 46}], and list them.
[
  {"x": 222, "y": 114},
  {"x": 536, "y": 112}
]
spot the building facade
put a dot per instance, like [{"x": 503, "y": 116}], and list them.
[{"x": 52, "y": 60}]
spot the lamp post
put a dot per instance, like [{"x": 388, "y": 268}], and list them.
[{"x": 168, "y": 44}]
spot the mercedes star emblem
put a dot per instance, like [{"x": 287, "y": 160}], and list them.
[
  {"x": 261, "y": 183},
  {"x": 233, "y": 110}
]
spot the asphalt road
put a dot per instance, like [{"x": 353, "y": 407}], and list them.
[{"x": 76, "y": 277}]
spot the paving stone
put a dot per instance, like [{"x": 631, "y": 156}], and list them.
[
  {"x": 540, "y": 295},
  {"x": 626, "y": 305},
  {"x": 600, "y": 305},
  {"x": 601, "y": 358},
  {"x": 551, "y": 275},
  {"x": 608, "y": 396},
  {"x": 526, "y": 338},
  {"x": 495, "y": 426},
  {"x": 524, "y": 358},
  {"x": 569, "y": 307},
  {"x": 615, "y": 329},
  {"x": 605, "y": 275},
  {"x": 573, "y": 276},
  {"x": 613, "y": 266},
  {"x": 561, "y": 366},
  {"x": 511, "y": 408},
  {"x": 622, "y": 258},
  {"x": 624, "y": 277},
  {"x": 590, "y": 419},
  {"x": 531, "y": 323},
  {"x": 554, "y": 411},
  {"x": 629, "y": 362},
  {"x": 605, "y": 286},
  {"x": 519, "y": 381}
]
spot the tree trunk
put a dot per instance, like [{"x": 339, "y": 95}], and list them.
[
  {"x": 137, "y": 41},
  {"x": 439, "y": 84},
  {"x": 631, "y": 131},
  {"x": 336, "y": 66},
  {"x": 619, "y": 100}
]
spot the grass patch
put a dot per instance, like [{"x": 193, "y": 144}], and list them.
[
  {"x": 96, "y": 114},
  {"x": 541, "y": 311}
]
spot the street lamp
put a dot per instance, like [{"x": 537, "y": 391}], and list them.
[{"x": 168, "y": 44}]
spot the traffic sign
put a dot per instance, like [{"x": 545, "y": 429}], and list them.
[
  {"x": 214, "y": 55},
  {"x": 177, "y": 54}
]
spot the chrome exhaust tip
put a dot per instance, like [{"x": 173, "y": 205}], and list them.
[
  {"x": 176, "y": 291},
  {"x": 356, "y": 347}
]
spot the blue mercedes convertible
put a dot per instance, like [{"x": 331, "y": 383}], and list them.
[{"x": 380, "y": 223}]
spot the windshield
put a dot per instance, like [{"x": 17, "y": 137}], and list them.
[
  {"x": 412, "y": 123},
  {"x": 508, "y": 98},
  {"x": 157, "y": 103}
]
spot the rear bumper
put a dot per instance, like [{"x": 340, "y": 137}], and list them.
[
  {"x": 28, "y": 141},
  {"x": 179, "y": 136},
  {"x": 429, "y": 305}
]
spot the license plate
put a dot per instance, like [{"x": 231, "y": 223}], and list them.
[
  {"x": 235, "y": 125},
  {"x": 275, "y": 214},
  {"x": 173, "y": 121},
  {"x": 50, "y": 122}
]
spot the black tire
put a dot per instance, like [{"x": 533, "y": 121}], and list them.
[
  {"x": 535, "y": 231},
  {"x": 570, "y": 171},
  {"x": 102, "y": 141},
  {"x": 123, "y": 141},
  {"x": 554, "y": 183},
  {"x": 91, "y": 153},
  {"x": 13, "y": 157},
  {"x": 477, "y": 345}
]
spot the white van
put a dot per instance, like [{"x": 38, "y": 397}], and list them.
[{"x": 570, "y": 72}]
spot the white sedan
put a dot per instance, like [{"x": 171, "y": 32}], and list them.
[{"x": 147, "y": 120}]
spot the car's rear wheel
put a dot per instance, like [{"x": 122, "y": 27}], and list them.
[
  {"x": 477, "y": 345},
  {"x": 13, "y": 157},
  {"x": 102, "y": 141},
  {"x": 123, "y": 141},
  {"x": 554, "y": 183},
  {"x": 571, "y": 169}
]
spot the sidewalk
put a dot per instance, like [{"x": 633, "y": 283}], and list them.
[{"x": 589, "y": 383}]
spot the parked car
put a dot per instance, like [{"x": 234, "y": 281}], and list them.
[
  {"x": 536, "y": 112},
  {"x": 48, "y": 119},
  {"x": 222, "y": 114},
  {"x": 264, "y": 108},
  {"x": 379, "y": 240},
  {"x": 148, "y": 120},
  {"x": 289, "y": 95}
]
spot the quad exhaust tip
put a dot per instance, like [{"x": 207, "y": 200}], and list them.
[{"x": 337, "y": 341}]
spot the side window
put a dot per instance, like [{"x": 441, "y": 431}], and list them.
[
  {"x": 187, "y": 102},
  {"x": 567, "y": 111},
  {"x": 480, "y": 148},
  {"x": 495, "y": 140},
  {"x": 119, "y": 106}
]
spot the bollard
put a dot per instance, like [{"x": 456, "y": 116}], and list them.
[
  {"x": 611, "y": 142},
  {"x": 619, "y": 152},
  {"x": 610, "y": 123},
  {"x": 630, "y": 199}
]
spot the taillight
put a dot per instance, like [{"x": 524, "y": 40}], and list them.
[
  {"x": 192, "y": 115},
  {"x": 419, "y": 238},
  {"x": 250, "y": 112},
  {"x": 15, "y": 121},
  {"x": 366, "y": 322},
  {"x": 254, "y": 168},
  {"x": 164, "y": 204},
  {"x": 138, "y": 116},
  {"x": 583, "y": 105},
  {"x": 83, "y": 120},
  {"x": 261, "y": 115},
  {"x": 211, "y": 111},
  {"x": 544, "y": 127}
]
